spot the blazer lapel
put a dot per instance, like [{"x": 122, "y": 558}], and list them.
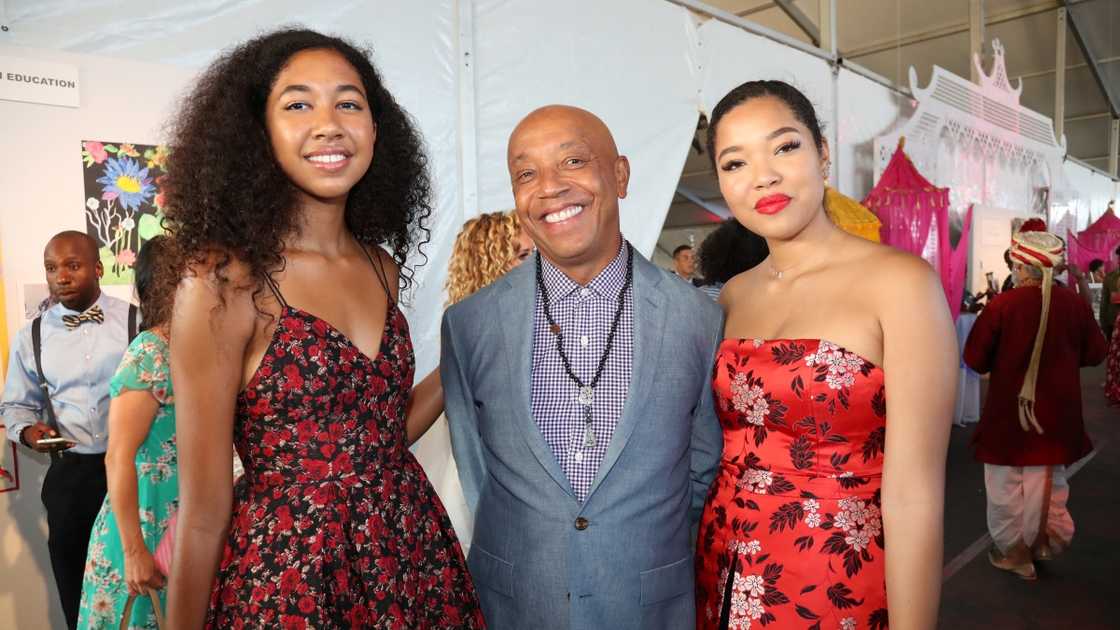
[
  {"x": 515, "y": 319},
  {"x": 649, "y": 330}
]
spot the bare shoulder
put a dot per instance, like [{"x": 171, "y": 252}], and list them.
[
  {"x": 739, "y": 287},
  {"x": 904, "y": 287},
  {"x": 896, "y": 265},
  {"x": 219, "y": 289}
]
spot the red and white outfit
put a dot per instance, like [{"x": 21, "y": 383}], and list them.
[{"x": 1031, "y": 427}]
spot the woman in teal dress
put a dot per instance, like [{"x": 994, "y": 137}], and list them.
[{"x": 141, "y": 465}]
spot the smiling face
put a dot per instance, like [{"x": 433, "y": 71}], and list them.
[
  {"x": 320, "y": 125},
  {"x": 567, "y": 179},
  {"x": 73, "y": 269},
  {"x": 770, "y": 171}
]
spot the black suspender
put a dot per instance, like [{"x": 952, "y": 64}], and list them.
[
  {"x": 37, "y": 347},
  {"x": 48, "y": 407},
  {"x": 133, "y": 310}
]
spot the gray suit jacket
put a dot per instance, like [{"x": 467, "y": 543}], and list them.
[{"x": 630, "y": 565}]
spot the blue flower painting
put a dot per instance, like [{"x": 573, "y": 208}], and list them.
[
  {"x": 126, "y": 182},
  {"x": 123, "y": 201}
]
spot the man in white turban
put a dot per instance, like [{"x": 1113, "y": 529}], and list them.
[{"x": 1034, "y": 339}]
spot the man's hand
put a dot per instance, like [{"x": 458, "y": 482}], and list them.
[{"x": 31, "y": 435}]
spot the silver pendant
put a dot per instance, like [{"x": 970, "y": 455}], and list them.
[
  {"x": 589, "y": 439},
  {"x": 586, "y": 396}
]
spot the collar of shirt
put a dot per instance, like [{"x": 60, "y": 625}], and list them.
[
  {"x": 58, "y": 309},
  {"x": 606, "y": 285}
]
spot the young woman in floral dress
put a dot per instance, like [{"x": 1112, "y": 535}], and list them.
[
  {"x": 290, "y": 167},
  {"x": 822, "y": 509},
  {"x": 140, "y": 464}
]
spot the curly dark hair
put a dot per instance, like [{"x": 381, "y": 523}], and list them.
[
  {"x": 225, "y": 190},
  {"x": 730, "y": 250}
]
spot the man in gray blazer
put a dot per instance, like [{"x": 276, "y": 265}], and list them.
[{"x": 578, "y": 393}]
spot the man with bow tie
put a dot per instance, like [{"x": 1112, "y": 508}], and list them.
[{"x": 58, "y": 389}]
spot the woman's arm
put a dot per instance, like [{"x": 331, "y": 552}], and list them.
[
  {"x": 424, "y": 406},
  {"x": 210, "y": 338},
  {"x": 130, "y": 417},
  {"x": 920, "y": 364}
]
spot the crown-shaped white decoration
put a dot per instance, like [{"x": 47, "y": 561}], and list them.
[{"x": 996, "y": 85}]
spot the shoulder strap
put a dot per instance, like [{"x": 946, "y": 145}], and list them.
[
  {"x": 133, "y": 310},
  {"x": 37, "y": 347},
  {"x": 379, "y": 270},
  {"x": 275, "y": 288}
]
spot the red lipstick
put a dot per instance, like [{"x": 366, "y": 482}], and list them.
[{"x": 771, "y": 204}]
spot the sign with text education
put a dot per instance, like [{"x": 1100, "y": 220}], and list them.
[{"x": 34, "y": 81}]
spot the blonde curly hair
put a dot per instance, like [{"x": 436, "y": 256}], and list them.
[{"x": 483, "y": 251}]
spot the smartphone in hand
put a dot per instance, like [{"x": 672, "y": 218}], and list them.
[{"x": 57, "y": 443}]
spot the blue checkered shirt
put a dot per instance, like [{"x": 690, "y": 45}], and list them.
[{"x": 584, "y": 314}]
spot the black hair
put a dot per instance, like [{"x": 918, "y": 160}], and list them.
[
  {"x": 730, "y": 250},
  {"x": 679, "y": 249},
  {"x": 87, "y": 241},
  {"x": 1095, "y": 264},
  {"x": 150, "y": 275},
  {"x": 225, "y": 190},
  {"x": 793, "y": 98}
]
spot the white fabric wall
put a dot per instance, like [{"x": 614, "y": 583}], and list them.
[
  {"x": 1090, "y": 195},
  {"x": 730, "y": 56},
  {"x": 864, "y": 111},
  {"x": 638, "y": 75}
]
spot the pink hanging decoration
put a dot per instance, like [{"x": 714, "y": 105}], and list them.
[
  {"x": 906, "y": 204},
  {"x": 1099, "y": 240},
  {"x": 958, "y": 267}
]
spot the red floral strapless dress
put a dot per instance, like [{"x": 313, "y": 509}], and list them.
[{"x": 792, "y": 535}]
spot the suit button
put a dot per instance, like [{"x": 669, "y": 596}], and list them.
[{"x": 581, "y": 523}]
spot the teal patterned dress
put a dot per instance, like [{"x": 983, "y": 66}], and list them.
[{"x": 145, "y": 366}]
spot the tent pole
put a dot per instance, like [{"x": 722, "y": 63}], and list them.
[{"x": 468, "y": 116}]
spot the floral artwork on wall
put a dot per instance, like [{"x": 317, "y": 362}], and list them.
[{"x": 124, "y": 203}]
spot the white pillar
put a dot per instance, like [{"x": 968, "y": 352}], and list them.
[
  {"x": 1060, "y": 77},
  {"x": 975, "y": 35},
  {"x": 1113, "y": 145}
]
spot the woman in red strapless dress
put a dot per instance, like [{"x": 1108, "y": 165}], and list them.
[
  {"x": 818, "y": 512},
  {"x": 795, "y": 506}
]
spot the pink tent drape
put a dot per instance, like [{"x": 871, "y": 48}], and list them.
[
  {"x": 958, "y": 267},
  {"x": 1099, "y": 240},
  {"x": 906, "y": 204}
]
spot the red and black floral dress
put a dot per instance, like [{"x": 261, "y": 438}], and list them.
[
  {"x": 334, "y": 523},
  {"x": 792, "y": 535}
]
